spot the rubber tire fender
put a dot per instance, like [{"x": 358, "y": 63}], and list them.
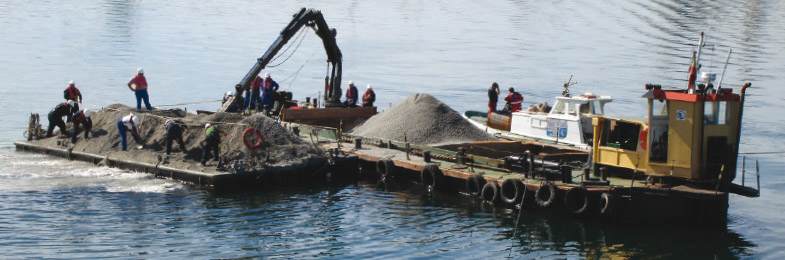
[
  {"x": 474, "y": 185},
  {"x": 385, "y": 167},
  {"x": 432, "y": 176},
  {"x": 605, "y": 204},
  {"x": 512, "y": 191},
  {"x": 576, "y": 200},
  {"x": 259, "y": 138},
  {"x": 490, "y": 192},
  {"x": 545, "y": 195}
]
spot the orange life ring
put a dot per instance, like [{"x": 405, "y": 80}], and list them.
[{"x": 259, "y": 138}]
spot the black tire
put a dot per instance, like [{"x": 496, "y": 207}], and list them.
[
  {"x": 576, "y": 200},
  {"x": 490, "y": 192},
  {"x": 546, "y": 195},
  {"x": 432, "y": 176},
  {"x": 474, "y": 185},
  {"x": 605, "y": 204},
  {"x": 385, "y": 167},
  {"x": 512, "y": 191}
]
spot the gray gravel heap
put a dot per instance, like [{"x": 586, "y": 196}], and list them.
[{"x": 425, "y": 120}]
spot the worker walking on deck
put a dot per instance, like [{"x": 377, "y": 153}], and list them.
[
  {"x": 268, "y": 87},
  {"x": 72, "y": 93},
  {"x": 140, "y": 89},
  {"x": 351, "y": 96},
  {"x": 369, "y": 97},
  {"x": 252, "y": 94},
  {"x": 493, "y": 98},
  {"x": 128, "y": 123},
  {"x": 83, "y": 118},
  {"x": 55, "y": 117},
  {"x": 175, "y": 130},
  {"x": 514, "y": 100},
  {"x": 212, "y": 137}
]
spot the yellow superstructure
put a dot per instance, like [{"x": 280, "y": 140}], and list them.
[{"x": 690, "y": 136}]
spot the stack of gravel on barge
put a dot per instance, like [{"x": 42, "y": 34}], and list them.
[{"x": 279, "y": 158}]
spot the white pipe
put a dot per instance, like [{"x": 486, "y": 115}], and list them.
[{"x": 719, "y": 83}]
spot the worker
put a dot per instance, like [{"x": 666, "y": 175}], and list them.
[
  {"x": 212, "y": 137},
  {"x": 351, "y": 96},
  {"x": 268, "y": 87},
  {"x": 369, "y": 97},
  {"x": 72, "y": 93},
  {"x": 83, "y": 118},
  {"x": 175, "y": 130},
  {"x": 129, "y": 123},
  {"x": 227, "y": 96},
  {"x": 56, "y": 117},
  {"x": 252, "y": 98},
  {"x": 493, "y": 97},
  {"x": 514, "y": 100},
  {"x": 140, "y": 89}
]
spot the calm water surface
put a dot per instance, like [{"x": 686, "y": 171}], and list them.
[{"x": 195, "y": 51}]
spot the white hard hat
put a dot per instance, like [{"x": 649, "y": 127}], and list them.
[
  {"x": 139, "y": 71},
  {"x": 230, "y": 93},
  {"x": 369, "y": 86},
  {"x": 267, "y": 75},
  {"x": 351, "y": 82},
  {"x": 207, "y": 125},
  {"x": 86, "y": 113},
  {"x": 70, "y": 103},
  {"x": 71, "y": 82},
  {"x": 136, "y": 120}
]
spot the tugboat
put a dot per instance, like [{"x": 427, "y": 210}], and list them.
[{"x": 568, "y": 122}]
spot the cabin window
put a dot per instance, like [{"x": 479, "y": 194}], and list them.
[
  {"x": 620, "y": 134},
  {"x": 659, "y": 108},
  {"x": 573, "y": 109},
  {"x": 558, "y": 108},
  {"x": 715, "y": 112},
  {"x": 596, "y": 107}
]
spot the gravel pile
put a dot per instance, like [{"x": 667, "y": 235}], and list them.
[
  {"x": 284, "y": 150},
  {"x": 425, "y": 120}
]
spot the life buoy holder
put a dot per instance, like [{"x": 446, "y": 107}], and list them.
[
  {"x": 490, "y": 192},
  {"x": 474, "y": 185},
  {"x": 512, "y": 191},
  {"x": 545, "y": 195},
  {"x": 432, "y": 176},
  {"x": 385, "y": 167},
  {"x": 259, "y": 138},
  {"x": 576, "y": 200}
]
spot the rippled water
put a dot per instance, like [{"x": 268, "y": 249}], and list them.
[{"x": 195, "y": 51}]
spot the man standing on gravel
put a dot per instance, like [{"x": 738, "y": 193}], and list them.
[
  {"x": 212, "y": 137},
  {"x": 175, "y": 130},
  {"x": 140, "y": 89}
]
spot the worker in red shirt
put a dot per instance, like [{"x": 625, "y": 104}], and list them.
[
  {"x": 140, "y": 89},
  {"x": 514, "y": 100},
  {"x": 252, "y": 94},
  {"x": 369, "y": 97}
]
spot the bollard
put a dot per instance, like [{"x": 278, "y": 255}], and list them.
[
  {"x": 604, "y": 173},
  {"x": 358, "y": 143},
  {"x": 531, "y": 165},
  {"x": 586, "y": 173},
  {"x": 426, "y": 156},
  {"x": 566, "y": 174}
]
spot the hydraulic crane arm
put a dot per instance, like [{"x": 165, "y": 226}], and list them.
[{"x": 314, "y": 19}]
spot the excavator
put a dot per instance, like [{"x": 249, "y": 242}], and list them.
[{"x": 315, "y": 20}]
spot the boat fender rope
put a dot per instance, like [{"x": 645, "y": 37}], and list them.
[
  {"x": 490, "y": 192},
  {"x": 259, "y": 138},
  {"x": 474, "y": 185},
  {"x": 545, "y": 195},
  {"x": 576, "y": 200},
  {"x": 512, "y": 191}
]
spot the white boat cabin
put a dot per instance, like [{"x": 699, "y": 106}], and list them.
[{"x": 569, "y": 120}]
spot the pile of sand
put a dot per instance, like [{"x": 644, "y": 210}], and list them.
[
  {"x": 425, "y": 121},
  {"x": 283, "y": 148}
]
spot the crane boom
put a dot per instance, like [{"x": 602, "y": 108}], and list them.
[{"x": 315, "y": 20}]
